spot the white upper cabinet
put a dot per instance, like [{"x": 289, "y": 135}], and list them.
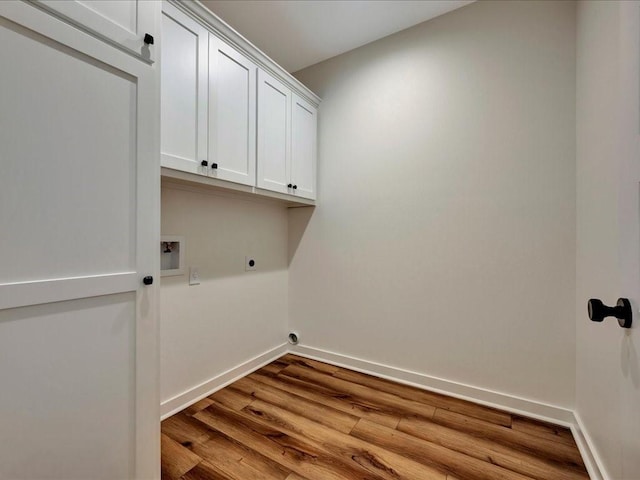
[
  {"x": 232, "y": 117},
  {"x": 274, "y": 134},
  {"x": 122, "y": 23},
  {"x": 229, "y": 114},
  {"x": 184, "y": 97},
  {"x": 304, "y": 126},
  {"x": 286, "y": 140}
]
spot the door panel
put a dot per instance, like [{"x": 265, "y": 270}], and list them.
[
  {"x": 49, "y": 195},
  {"x": 608, "y": 233},
  {"x": 232, "y": 118},
  {"x": 184, "y": 96},
  {"x": 123, "y": 23},
  {"x": 68, "y": 382},
  {"x": 303, "y": 152},
  {"x": 79, "y": 208},
  {"x": 274, "y": 134},
  {"x": 122, "y": 14}
]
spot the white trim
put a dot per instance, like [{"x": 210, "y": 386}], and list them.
[
  {"x": 191, "y": 396},
  {"x": 589, "y": 453},
  {"x": 147, "y": 347},
  {"x": 20, "y": 294},
  {"x": 482, "y": 396}
]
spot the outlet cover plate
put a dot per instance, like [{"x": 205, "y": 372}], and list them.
[{"x": 194, "y": 276}]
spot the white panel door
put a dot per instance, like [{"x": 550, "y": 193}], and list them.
[
  {"x": 123, "y": 23},
  {"x": 232, "y": 114},
  {"x": 274, "y": 134},
  {"x": 184, "y": 97},
  {"x": 608, "y": 233},
  {"x": 79, "y": 196},
  {"x": 304, "y": 125}
]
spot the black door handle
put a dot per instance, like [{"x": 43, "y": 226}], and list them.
[
  {"x": 598, "y": 311},
  {"x": 148, "y": 280}
]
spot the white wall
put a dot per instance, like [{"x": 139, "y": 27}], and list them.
[
  {"x": 608, "y": 231},
  {"x": 444, "y": 237},
  {"x": 233, "y": 315}
]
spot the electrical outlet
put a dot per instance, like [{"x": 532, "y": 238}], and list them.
[
  {"x": 249, "y": 264},
  {"x": 194, "y": 276}
]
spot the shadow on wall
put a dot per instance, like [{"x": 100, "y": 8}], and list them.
[
  {"x": 629, "y": 359},
  {"x": 299, "y": 218}
]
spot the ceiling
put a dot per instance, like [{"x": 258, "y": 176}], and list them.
[{"x": 300, "y": 33}]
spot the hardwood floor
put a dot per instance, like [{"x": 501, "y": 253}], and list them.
[{"x": 298, "y": 419}]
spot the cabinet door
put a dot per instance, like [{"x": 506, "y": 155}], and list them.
[
  {"x": 232, "y": 113},
  {"x": 304, "y": 124},
  {"x": 79, "y": 209},
  {"x": 274, "y": 134},
  {"x": 122, "y": 23},
  {"x": 184, "y": 67}
]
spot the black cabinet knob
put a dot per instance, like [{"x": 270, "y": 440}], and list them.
[
  {"x": 598, "y": 311},
  {"x": 148, "y": 39},
  {"x": 295, "y": 187},
  {"x": 204, "y": 163},
  {"x": 148, "y": 280},
  {"x": 290, "y": 185},
  {"x": 214, "y": 166}
]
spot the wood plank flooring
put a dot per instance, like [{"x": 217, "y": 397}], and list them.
[{"x": 299, "y": 419}]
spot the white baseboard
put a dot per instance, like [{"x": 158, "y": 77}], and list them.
[
  {"x": 489, "y": 398},
  {"x": 589, "y": 453},
  {"x": 191, "y": 396}
]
